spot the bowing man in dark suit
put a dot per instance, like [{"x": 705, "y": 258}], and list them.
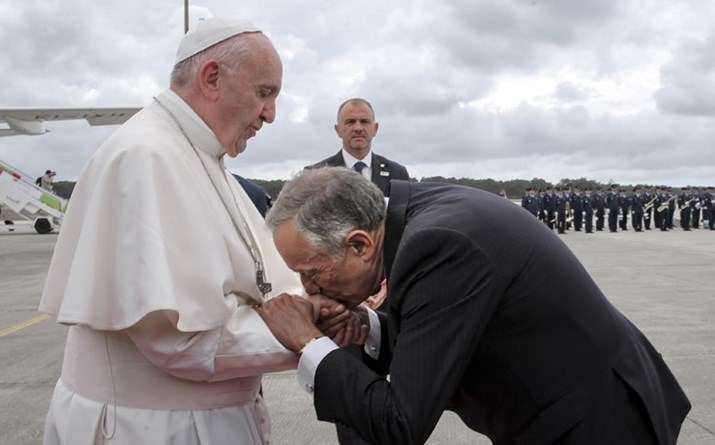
[
  {"x": 356, "y": 126},
  {"x": 498, "y": 322}
]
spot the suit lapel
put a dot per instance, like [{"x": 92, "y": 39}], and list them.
[
  {"x": 380, "y": 173},
  {"x": 337, "y": 160},
  {"x": 395, "y": 221}
]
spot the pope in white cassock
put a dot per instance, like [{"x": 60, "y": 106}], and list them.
[{"x": 161, "y": 257}]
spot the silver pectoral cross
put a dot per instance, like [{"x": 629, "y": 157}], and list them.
[{"x": 263, "y": 286}]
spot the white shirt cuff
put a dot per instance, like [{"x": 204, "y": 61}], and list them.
[
  {"x": 311, "y": 357},
  {"x": 372, "y": 345}
]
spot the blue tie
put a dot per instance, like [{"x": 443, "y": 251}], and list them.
[{"x": 359, "y": 165}]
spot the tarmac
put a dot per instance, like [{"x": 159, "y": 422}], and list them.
[{"x": 663, "y": 282}]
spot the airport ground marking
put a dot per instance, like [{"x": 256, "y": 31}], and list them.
[{"x": 23, "y": 325}]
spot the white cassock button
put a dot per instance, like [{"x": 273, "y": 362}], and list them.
[{"x": 309, "y": 388}]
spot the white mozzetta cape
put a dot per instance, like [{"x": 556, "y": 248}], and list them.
[{"x": 146, "y": 231}]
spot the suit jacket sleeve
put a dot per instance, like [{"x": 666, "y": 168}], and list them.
[{"x": 440, "y": 302}]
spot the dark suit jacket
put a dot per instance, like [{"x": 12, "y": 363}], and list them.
[
  {"x": 503, "y": 325},
  {"x": 383, "y": 169},
  {"x": 255, "y": 192}
]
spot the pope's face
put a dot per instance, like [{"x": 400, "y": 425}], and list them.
[{"x": 247, "y": 96}]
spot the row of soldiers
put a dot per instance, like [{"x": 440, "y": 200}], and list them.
[{"x": 561, "y": 208}]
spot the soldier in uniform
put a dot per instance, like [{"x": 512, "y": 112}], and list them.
[
  {"x": 599, "y": 204},
  {"x": 659, "y": 219},
  {"x": 624, "y": 202},
  {"x": 695, "y": 208},
  {"x": 612, "y": 206},
  {"x": 569, "y": 211},
  {"x": 540, "y": 199},
  {"x": 637, "y": 201},
  {"x": 671, "y": 208},
  {"x": 560, "y": 205},
  {"x": 649, "y": 199},
  {"x": 709, "y": 208},
  {"x": 684, "y": 207},
  {"x": 577, "y": 207},
  {"x": 587, "y": 206},
  {"x": 530, "y": 202},
  {"x": 548, "y": 204}
]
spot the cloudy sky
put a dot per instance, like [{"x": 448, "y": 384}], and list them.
[{"x": 611, "y": 90}]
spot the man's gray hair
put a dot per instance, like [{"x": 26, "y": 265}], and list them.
[
  {"x": 327, "y": 203},
  {"x": 230, "y": 53}
]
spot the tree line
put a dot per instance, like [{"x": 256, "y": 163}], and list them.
[{"x": 515, "y": 188}]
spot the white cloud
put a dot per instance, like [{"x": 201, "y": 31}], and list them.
[{"x": 604, "y": 89}]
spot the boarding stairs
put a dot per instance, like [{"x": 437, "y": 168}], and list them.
[{"x": 19, "y": 193}]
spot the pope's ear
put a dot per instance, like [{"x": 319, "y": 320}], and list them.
[{"x": 209, "y": 78}]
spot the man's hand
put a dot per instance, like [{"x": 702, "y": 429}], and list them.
[
  {"x": 356, "y": 329},
  {"x": 291, "y": 320},
  {"x": 344, "y": 326}
]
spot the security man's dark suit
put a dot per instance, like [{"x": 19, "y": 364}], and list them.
[
  {"x": 383, "y": 169},
  {"x": 258, "y": 194},
  {"x": 501, "y": 324}
]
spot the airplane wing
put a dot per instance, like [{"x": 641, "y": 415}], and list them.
[{"x": 31, "y": 121}]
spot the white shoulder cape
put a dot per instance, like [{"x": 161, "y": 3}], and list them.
[{"x": 147, "y": 231}]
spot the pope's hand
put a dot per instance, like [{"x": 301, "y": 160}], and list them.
[{"x": 291, "y": 320}]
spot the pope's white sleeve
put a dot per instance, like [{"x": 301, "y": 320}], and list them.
[{"x": 242, "y": 346}]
